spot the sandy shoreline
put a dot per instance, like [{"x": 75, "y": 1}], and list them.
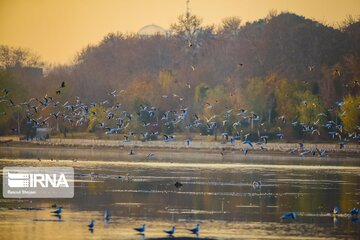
[
  {"x": 198, "y": 145},
  {"x": 350, "y": 150},
  {"x": 188, "y": 165}
]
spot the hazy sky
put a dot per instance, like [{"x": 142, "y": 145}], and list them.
[{"x": 57, "y": 29}]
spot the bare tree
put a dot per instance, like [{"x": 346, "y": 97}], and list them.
[
  {"x": 10, "y": 56},
  {"x": 230, "y": 26}
]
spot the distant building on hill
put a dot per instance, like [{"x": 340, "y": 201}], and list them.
[{"x": 151, "y": 30}]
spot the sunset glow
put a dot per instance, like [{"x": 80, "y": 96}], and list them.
[{"x": 56, "y": 30}]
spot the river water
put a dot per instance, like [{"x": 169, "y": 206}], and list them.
[{"x": 218, "y": 193}]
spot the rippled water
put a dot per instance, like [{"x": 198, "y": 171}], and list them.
[{"x": 217, "y": 193}]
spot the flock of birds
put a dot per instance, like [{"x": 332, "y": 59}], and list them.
[
  {"x": 40, "y": 112},
  {"x": 113, "y": 118},
  {"x": 335, "y": 212},
  {"x": 118, "y": 120},
  {"x": 141, "y": 229},
  {"x": 286, "y": 216}
]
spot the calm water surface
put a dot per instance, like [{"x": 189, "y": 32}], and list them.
[{"x": 217, "y": 192}]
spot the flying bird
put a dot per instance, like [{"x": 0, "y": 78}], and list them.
[
  {"x": 248, "y": 142},
  {"x": 178, "y": 184},
  {"x": 336, "y": 73},
  {"x": 149, "y": 156},
  {"x": 322, "y": 153},
  {"x": 311, "y": 68},
  {"x": 211, "y": 118},
  {"x": 302, "y": 154},
  {"x": 257, "y": 184}
]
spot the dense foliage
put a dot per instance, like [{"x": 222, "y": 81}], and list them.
[{"x": 282, "y": 66}]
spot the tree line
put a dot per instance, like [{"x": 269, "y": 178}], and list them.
[{"x": 283, "y": 66}]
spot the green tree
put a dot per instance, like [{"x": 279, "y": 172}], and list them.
[
  {"x": 350, "y": 114},
  {"x": 166, "y": 79},
  {"x": 256, "y": 96},
  {"x": 220, "y": 102},
  {"x": 219, "y": 99},
  {"x": 308, "y": 106},
  {"x": 96, "y": 115},
  {"x": 286, "y": 101},
  {"x": 201, "y": 91}
]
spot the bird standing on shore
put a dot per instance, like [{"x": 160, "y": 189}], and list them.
[
  {"x": 107, "y": 215},
  {"x": 91, "y": 225},
  {"x": 354, "y": 212},
  {"x": 289, "y": 215},
  {"x": 58, "y": 211},
  {"x": 140, "y": 229},
  {"x": 171, "y": 231},
  {"x": 196, "y": 229}
]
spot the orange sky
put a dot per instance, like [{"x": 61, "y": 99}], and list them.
[{"x": 57, "y": 29}]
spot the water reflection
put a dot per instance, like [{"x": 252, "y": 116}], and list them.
[{"x": 223, "y": 201}]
